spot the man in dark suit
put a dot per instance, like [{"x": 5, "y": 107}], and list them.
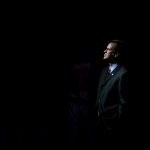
[{"x": 112, "y": 94}]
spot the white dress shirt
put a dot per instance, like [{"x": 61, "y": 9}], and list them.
[{"x": 112, "y": 67}]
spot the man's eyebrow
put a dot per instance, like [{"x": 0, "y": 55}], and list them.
[{"x": 109, "y": 49}]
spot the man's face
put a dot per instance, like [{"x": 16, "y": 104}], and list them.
[{"x": 110, "y": 52}]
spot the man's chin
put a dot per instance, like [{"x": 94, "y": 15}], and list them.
[{"x": 105, "y": 58}]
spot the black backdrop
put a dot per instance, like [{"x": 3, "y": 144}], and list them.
[{"x": 39, "y": 51}]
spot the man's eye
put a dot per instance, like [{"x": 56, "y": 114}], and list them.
[{"x": 109, "y": 49}]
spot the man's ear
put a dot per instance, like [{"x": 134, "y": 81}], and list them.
[{"x": 117, "y": 54}]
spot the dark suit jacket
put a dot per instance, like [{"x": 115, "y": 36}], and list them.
[{"x": 112, "y": 97}]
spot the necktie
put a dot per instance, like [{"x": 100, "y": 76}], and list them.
[{"x": 107, "y": 73}]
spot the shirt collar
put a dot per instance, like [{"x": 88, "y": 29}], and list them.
[{"x": 112, "y": 66}]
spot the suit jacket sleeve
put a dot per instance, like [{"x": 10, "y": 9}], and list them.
[{"x": 124, "y": 96}]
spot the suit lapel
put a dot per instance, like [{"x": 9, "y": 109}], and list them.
[{"x": 112, "y": 74}]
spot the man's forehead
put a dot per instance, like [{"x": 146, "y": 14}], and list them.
[{"x": 112, "y": 45}]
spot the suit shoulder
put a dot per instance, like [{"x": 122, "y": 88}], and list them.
[{"x": 124, "y": 70}]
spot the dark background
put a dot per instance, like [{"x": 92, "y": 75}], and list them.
[{"x": 40, "y": 48}]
